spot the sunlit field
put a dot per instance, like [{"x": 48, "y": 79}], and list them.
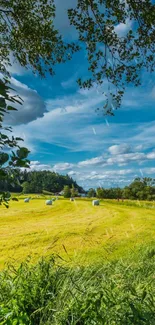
[{"x": 76, "y": 231}]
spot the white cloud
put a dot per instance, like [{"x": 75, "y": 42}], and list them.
[
  {"x": 121, "y": 29},
  {"x": 106, "y": 174},
  {"x": 15, "y": 68},
  {"x": 117, "y": 159},
  {"x": 62, "y": 166},
  {"x": 119, "y": 149},
  {"x": 91, "y": 162},
  {"x": 16, "y": 83},
  {"x": 36, "y": 165},
  {"x": 149, "y": 171},
  {"x": 140, "y": 147},
  {"x": 73, "y": 173},
  {"x": 126, "y": 158},
  {"x": 151, "y": 155}
]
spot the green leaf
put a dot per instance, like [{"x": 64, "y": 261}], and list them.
[
  {"x": 22, "y": 153},
  {"x": 4, "y": 157},
  {"x": 10, "y": 108},
  {"x": 2, "y": 173}
]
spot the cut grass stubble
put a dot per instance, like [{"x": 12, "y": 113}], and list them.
[{"x": 76, "y": 231}]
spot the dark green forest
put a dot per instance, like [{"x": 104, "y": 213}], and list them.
[{"x": 36, "y": 182}]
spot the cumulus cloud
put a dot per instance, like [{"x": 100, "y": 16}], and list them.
[
  {"x": 151, "y": 155},
  {"x": 33, "y": 105},
  {"x": 117, "y": 159},
  {"x": 119, "y": 149},
  {"x": 62, "y": 166},
  {"x": 73, "y": 173},
  {"x": 106, "y": 174},
  {"x": 149, "y": 171},
  {"x": 36, "y": 165},
  {"x": 91, "y": 162},
  {"x": 126, "y": 158}
]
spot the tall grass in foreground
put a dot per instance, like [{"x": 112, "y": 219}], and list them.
[{"x": 111, "y": 294}]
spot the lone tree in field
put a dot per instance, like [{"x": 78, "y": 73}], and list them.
[
  {"x": 74, "y": 191},
  {"x": 67, "y": 191},
  {"x": 26, "y": 187},
  {"x": 91, "y": 193}
]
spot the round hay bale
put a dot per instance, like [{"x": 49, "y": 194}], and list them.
[
  {"x": 48, "y": 202},
  {"x": 71, "y": 199},
  {"x": 95, "y": 202},
  {"x": 27, "y": 200}
]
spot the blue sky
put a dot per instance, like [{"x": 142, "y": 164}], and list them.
[{"x": 59, "y": 124}]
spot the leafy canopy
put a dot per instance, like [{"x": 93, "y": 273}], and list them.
[
  {"x": 28, "y": 32},
  {"x": 115, "y": 59}
]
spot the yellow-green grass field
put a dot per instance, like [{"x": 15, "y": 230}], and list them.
[{"x": 76, "y": 231}]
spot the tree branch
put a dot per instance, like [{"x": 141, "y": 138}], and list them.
[{"x": 6, "y": 11}]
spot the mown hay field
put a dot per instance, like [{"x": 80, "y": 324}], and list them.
[{"x": 76, "y": 231}]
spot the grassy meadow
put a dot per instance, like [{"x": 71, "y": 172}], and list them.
[
  {"x": 76, "y": 231},
  {"x": 77, "y": 264}
]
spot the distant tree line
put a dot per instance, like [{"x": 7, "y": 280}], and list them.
[
  {"x": 46, "y": 181},
  {"x": 139, "y": 189},
  {"x": 38, "y": 182}
]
